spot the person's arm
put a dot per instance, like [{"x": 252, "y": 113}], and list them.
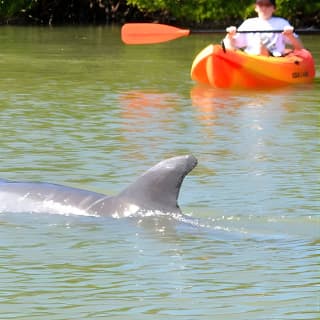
[{"x": 294, "y": 41}]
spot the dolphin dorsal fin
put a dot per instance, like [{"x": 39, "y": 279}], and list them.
[{"x": 159, "y": 186}]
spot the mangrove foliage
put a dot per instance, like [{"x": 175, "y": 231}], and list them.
[{"x": 180, "y": 12}]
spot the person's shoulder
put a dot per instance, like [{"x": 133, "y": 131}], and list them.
[
  {"x": 280, "y": 21},
  {"x": 276, "y": 18},
  {"x": 250, "y": 22}
]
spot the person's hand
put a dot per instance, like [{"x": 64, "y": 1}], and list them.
[
  {"x": 232, "y": 30},
  {"x": 228, "y": 42},
  {"x": 294, "y": 41},
  {"x": 288, "y": 31}
]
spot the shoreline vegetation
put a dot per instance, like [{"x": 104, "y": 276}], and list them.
[{"x": 192, "y": 13}]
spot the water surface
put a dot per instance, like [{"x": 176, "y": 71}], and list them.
[{"x": 78, "y": 107}]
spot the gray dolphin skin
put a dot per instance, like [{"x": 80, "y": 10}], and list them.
[{"x": 155, "y": 190}]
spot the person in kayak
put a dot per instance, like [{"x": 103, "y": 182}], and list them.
[{"x": 267, "y": 44}]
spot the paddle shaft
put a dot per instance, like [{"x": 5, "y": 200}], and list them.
[{"x": 301, "y": 31}]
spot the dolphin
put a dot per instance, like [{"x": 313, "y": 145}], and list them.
[{"x": 157, "y": 189}]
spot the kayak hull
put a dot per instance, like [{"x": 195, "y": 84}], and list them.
[{"x": 235, "y": 69}]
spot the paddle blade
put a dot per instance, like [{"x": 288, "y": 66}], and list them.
[{"x": 148, "y": 33}]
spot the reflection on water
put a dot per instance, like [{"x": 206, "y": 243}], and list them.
[
  {"x": 141, "y": 101},
  {"x": 77, "y": 107},
  {"x": 141, "y": 107},
  {"x": 209, "y": 100}
]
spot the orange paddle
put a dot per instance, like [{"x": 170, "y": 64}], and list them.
[{"x": 148, "y": 33}]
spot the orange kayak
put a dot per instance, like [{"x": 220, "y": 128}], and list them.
[{"x": 237, "y": 69}]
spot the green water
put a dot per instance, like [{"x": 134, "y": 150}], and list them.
[{"x": 80, "y": 108}]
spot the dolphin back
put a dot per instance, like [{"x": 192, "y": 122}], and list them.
[{"x": 157, "y": 190}]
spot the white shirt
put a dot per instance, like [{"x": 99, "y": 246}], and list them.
[{"x": 274, "y": 42}]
